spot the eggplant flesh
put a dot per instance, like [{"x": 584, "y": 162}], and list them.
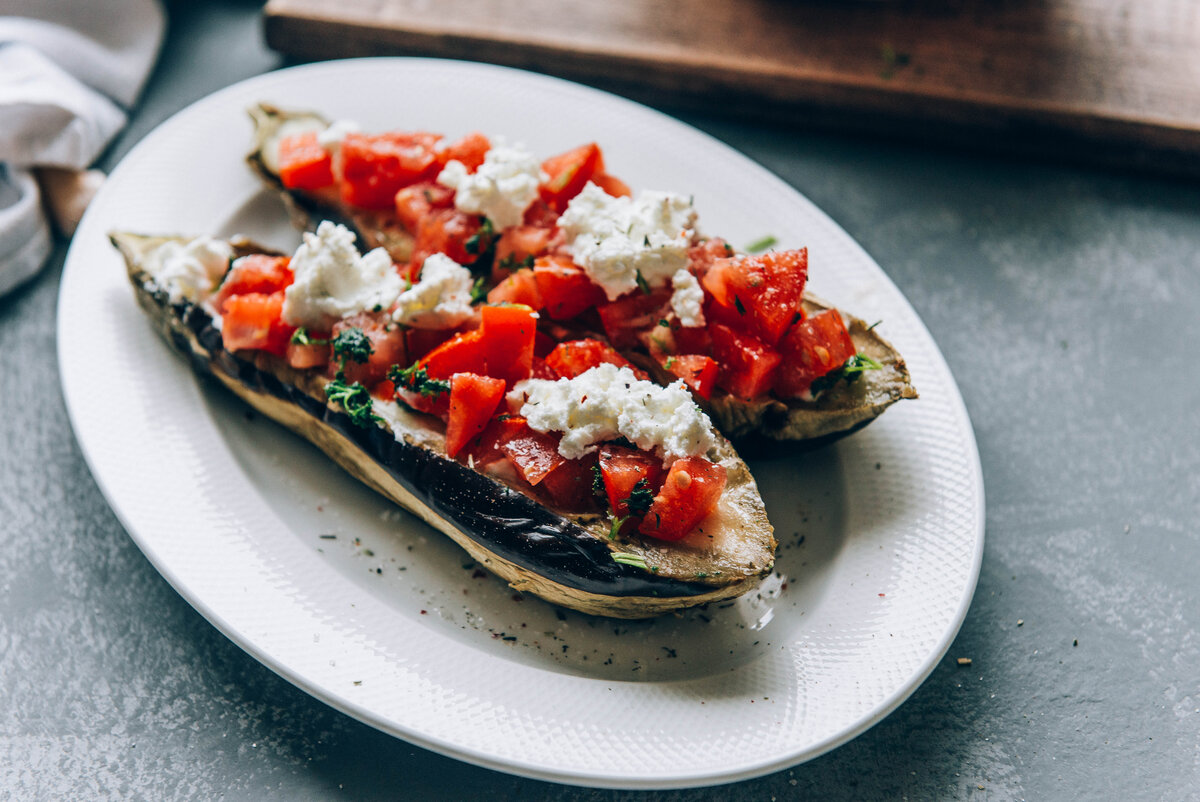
[
  {"x": 563, "y": 557},
  {"x": 797, "y": 423}
]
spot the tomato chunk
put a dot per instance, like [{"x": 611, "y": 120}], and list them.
[
  {"x": 630, "y": 314},
  {"x": 304, "y": 163},
  {"x": 568, "y": 173},
  {"x": 471, "y": 150},
  {"x": 518, "y": 244},
  {"x": 765, "y": 290},
  {"x": 255, "y": 321},
  {"x": 462, "y": 353},
  {"x": 569, "y": 484},
  {"x": 375, "y": 167},
  {"x": 811, "y": 349},
  {"x": 688, "y": 494},
  {"x": 698, "y": 372},
  {"x": 565, "y": 289},
  {"x": 574, "y": 357},
  {"x": 448, "y": 231},
  {"x": 508, "y": 333},
  {"x": 416, "y": 202},
  {"x": 535, "y": 454},
  {"x": 621, "y": 469},
  {"x": 612, "y": 185},
  {"x": 312, "y": 355},
  {"x": 387, "y": 347},
  {"x": 473, "y": 399},
  {"x": 747, "y": 365},
  {"x": 254, "y": 273},
  {"x": 519, "y": 288}
]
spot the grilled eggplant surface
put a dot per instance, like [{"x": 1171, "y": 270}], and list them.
[
  {"x": 562, "y": 557},
  {"x": 804, "y": 423}
]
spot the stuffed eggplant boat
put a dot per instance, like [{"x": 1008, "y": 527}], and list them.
[
  {"x": 556, "y": 465},
  {"x": 767, "y": 360}
]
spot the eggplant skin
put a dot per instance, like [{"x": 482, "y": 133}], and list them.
[
  {"x": 535, "y": 549},
  {"x": 760, "y": 426}
]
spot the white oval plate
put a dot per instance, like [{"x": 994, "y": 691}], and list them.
[{"x": 362, "y": 606}]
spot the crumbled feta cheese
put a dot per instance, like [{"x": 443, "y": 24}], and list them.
[
  {"x": 688, "y": 298},
  {"x": 615, "y": 239},
  {"x": 189, "y": 270},
  {"x": 500, "y": 190},
  {"x": 607, "y": 402},
  {"x": 331, "y": 138},
  {"x": 441, "y": 299},
  {"x": 333, "y": 281}
]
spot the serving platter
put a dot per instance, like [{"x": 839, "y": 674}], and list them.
[{"x": 364, "y": 607}]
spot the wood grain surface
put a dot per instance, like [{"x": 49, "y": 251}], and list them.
[{"x": 1115, "y": 81}]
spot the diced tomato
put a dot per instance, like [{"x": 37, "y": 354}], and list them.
[
  {"x": 387, "y": 347},
  {"x": 702, "y": 255},
  {"x": 447, "y": 231},
  {"x": 314, "y": 355},
  {"x": 688, "y": 494},
  {"x": 462, "y": 353},
  {"x": 517, "y": 244},
  {"x": 534, "y": 454},
  {"x": 520, "y": 287},
  {"x": 419, "y": 342},
  {"x": 541, "y": 215},
  {"x": 565, "y": 289},
  {"x": 375, "y": 167},
  {"x": 470, "y": 150},
  {"x": 632, "y": 313},
  {"x": 612, "y": 185},
  {"x": 254, "y": 273},
  {"x": 304, "y": 163},
  {"x": 541, "y": 370},
  {"x": 473, "y": 399},
  {"x": 698, "y": 372},
  {"x": 384, "y": 390},
  {"x": 810, "y": 349},
  {"x": 255, "y": 321},
  {"x": 508, "y": 333},
  {"x": 416, "y": 202},
  {"x": 572, "y": 358},
  {"x": 765, "y": 290},
  {"x": 569, "y": 484},
  {"x": 622, "y": 468},
  {"x": 568, "y": 173},
  {"x": 436, "y": 404},
  {"x": 498, "y": 431},
  {"x": 691, "y": 339},
  {"x": 747, "y": 365}
]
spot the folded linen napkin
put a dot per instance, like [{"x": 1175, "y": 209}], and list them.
[{"x": 66, "y": 71}]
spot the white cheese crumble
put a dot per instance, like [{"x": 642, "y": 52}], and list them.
[
  {"x": 607, "y": 402},
  {"x": 189, "y": 270},
  {"x": 688, "y": 298},
  {"x": 331, "y": 138},
  {"x": 334, "y": 281},
  {"x": 616, "y": 239},
  {"x": 441, "y": 298},
  {"x": 500, "y": 190}
]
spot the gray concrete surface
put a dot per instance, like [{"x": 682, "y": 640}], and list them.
[{"x": 1066, "y": 302}]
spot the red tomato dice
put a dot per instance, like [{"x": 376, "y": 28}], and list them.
[
  {"x": 254, "y": 273},
  {"x": 621, "y": 469},
  {"x": 255, "y": 321},
  {"x": 632, "y": 313},
  {"x": 517, "y": 244},
  {"x": 747, "y": 365},
  {"x": 508, "y": 333},
  {"x": 534, "y": 454},
  {"x": 569, "y": 484},
  {"x": 765, "y": 290},
  {"x": 574, "y": 357},
  {"x": 462, "y": 353},
  {"x": 473, "y": 399},
  {"x": 447, "y": 231},
  {"x": 375, "y": 167},
  {"x": 810, "y": 349},
  {"x": 565, "y": 289},
  {"x": 689, "y": 492},
  {"x": 698, "y": 372},
  {"x": 416, "y": 202},
  {"x": 568, "y": 173},
  {"x": 314, "y": 355},
  {"x": 471, "y": 150},
  {"x": 520, "y": 287},
  {"x": 387, "y": 347},
  {"x": 304, "y": 163},
  {"x": 612, "y": 185}
]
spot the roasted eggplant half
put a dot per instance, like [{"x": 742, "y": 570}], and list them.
[
  {"x": 566, "y": 558},
  {"x": 805, "y": 421}
]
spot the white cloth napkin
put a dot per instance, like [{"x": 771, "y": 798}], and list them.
[{"x": 67, "y": 67}]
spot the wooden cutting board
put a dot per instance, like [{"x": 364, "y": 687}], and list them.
[{"x": 1112, "y": 81}]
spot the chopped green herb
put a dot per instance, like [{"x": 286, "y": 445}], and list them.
[
  {"x": 615, "y": 529},
  {"x": 641, "y": 282},
  {"x": 510, "y": 263},
  {"x": 669, "y": 363},
  {"x": 873, "y": 325},
  {"x": 738, "y": 303},
  {"x": 645, "y": 240},
  {"x": 479, "y": 290},
  {"x": 478, "y": 242},
  {"x": 850, "y": 371},
  {"x": 640, "y": 498},
  {"x": 597, "y": 481},
  {"x": 355, "y": 400},
  {"x": 762, "y": 244},
  {"x": 728, "y": 247},
  {"x": 301, "y": 337},
  {"x": 664, "y": 322},
  {"x": 352, "y": 344},
  {"x": 416, "y": 378},
  {"x": 701, "y": 575},
  {"x": 625, "y": 558}
]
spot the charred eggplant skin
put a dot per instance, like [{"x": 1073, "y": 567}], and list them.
[{"x": 504, "y": 522}]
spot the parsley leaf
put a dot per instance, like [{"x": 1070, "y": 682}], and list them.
[
  {"x": 597, "y": 481},
  {"x": 301, "y": 337},
  {"x": 416, "y": 378},
  {"x": 761, "y": 244},
  {"x": 478, "y": 242},
  {"x": 850, "y": 371},
  {"x": 352, "y": 344},
  {"x": 354, "y": 399},
  {"x": 641, "y": 498},
  {"x": 641, "y": 282},
  {"x": 738, "y": 303},
  {"x": 625, "y": 558},
  {"x": 479, "y": 290}
]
